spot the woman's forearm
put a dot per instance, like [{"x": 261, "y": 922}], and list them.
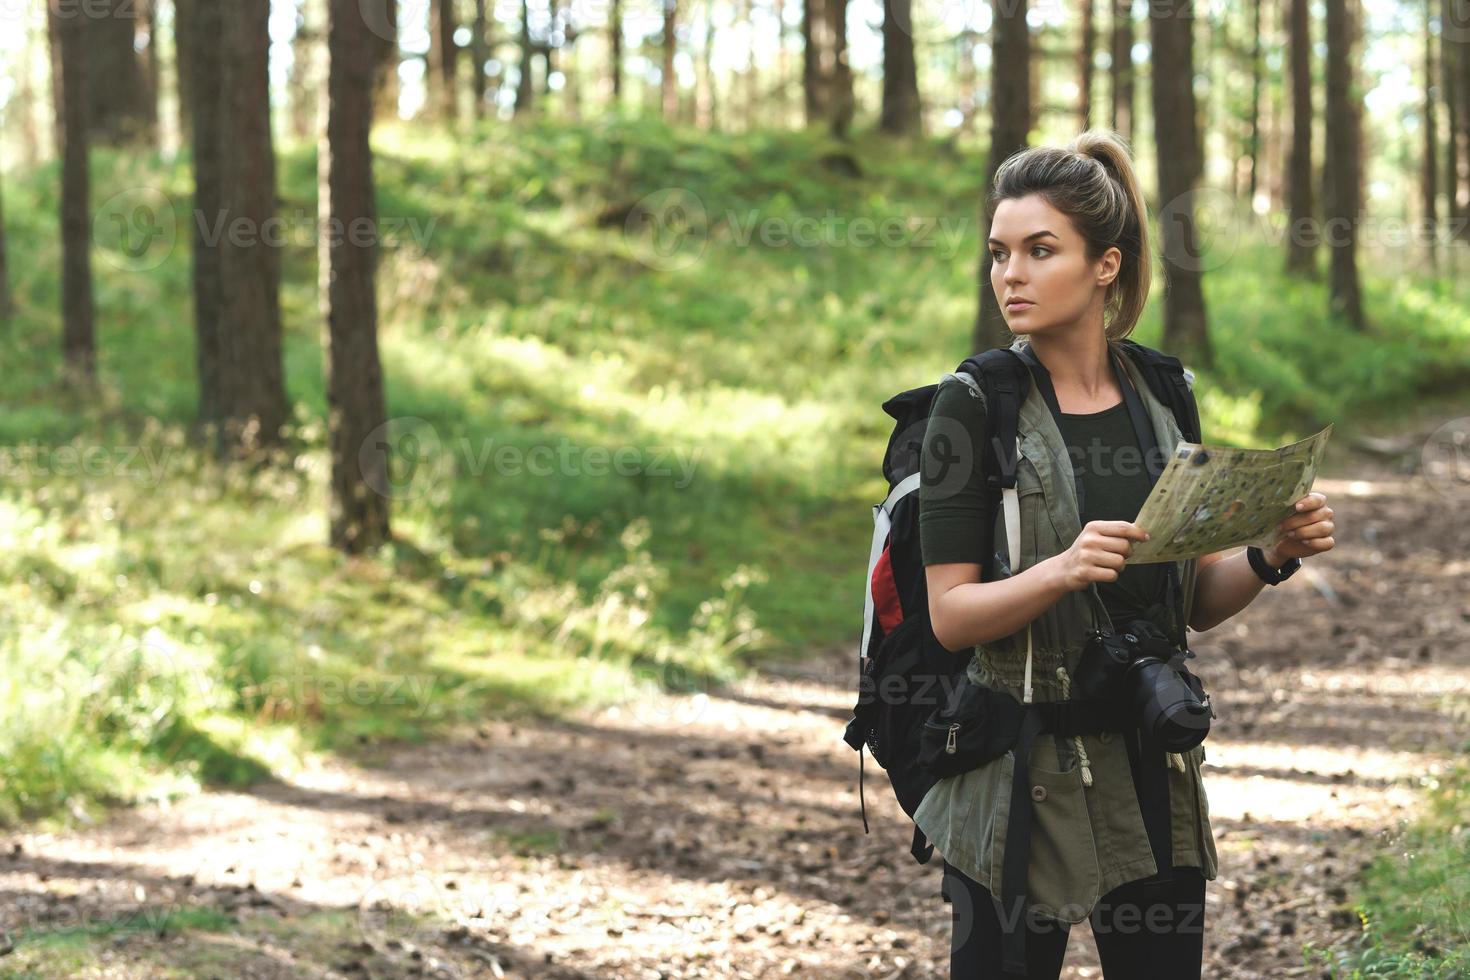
[
  {"x": 981, "y": 612},
  {"x": 1226, "y": 587}
]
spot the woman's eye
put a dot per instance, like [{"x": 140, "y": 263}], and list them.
[
  {"x": 1041, "y": 248},
  {"x": 997, "y": 256}
]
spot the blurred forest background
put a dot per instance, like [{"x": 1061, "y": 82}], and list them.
[{"x": 372, "y": 369}]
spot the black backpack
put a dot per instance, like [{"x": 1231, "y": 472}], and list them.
[{"x": 904, "y": 673}]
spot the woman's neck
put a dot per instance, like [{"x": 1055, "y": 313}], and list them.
[{"x": 1078, "y": 366}]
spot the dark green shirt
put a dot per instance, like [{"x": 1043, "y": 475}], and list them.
[{"x": 1111, "y": 485}]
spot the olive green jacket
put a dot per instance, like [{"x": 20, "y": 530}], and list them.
[{"x": 1085, "y": 840}]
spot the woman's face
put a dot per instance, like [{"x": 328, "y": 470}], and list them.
[{"x": 1038, "y": 256}]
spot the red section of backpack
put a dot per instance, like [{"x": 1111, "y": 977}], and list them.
[{"x": 886, "y": 603}]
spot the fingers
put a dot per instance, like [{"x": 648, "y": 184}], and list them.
[
  {"x": 1315, "y": 529},
  {"x": 1311, "y": 500},
  {"x": 1119, "y": 529},
  {"x": 1305, "y": 519}
]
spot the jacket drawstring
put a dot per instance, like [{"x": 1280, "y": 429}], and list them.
[{"x": 1076, "y": 739}]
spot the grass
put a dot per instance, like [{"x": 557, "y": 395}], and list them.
[
  {"x": 1414, "y": 900},
  {"x": 634, "y": 377}
]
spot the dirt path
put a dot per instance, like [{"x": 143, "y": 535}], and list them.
[{"x": 655, "y": 841}]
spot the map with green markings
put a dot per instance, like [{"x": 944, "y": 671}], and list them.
[{"x": 1210, "y": 498}]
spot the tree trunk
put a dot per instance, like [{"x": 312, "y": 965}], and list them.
[
  {"x": 705, "y": 107},
  {"x": 1010, "y": 127},
  {"x": 843, "y": 104},
  {"x": 1254, "y": 149},
  {"x": 1122, "y": 68},
  {"x": 306, "y": 80},
  {"x": 1176, "y": 139},
  {"x": 1086, "y": 45},
  {"x": 443, "y": 58},
  {"x": 183, "y": 64},
  {"x": 900, "y": 113},
  {"x": 1449, "y": 70},
  {"x": 151, "y": 66},
  {"x": 347, "y": 268},
  {"x": 78, "y": 329},
  {"x": 525, "y": 90},
  {"x": 254, "y": 406},
  {"x": 117, "y": 105},
  {"x": 814, "y": 75},
  {"x": 1301, "y": 242},
  {"x": 479, "y": 55},
  {"x": 200, "y": 55},
  {"x": 1342, "y": 182},
  {"x": 668, "y": 80},
  {"x": 1457, "y": 54},
  {"x": 382, "y": 18},
  {"x": 1430, "y": 181},
  {"x": 615, "y": 32}
]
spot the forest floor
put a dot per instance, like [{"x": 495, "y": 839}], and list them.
[{"x": 718, "y": 834}]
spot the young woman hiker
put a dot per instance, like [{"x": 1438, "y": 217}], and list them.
[{"x": 1070, "y": 248}]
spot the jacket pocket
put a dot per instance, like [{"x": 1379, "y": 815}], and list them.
[{"x": 1062, "y": 875}]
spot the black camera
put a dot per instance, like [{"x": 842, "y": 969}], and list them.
[{"x": 1143, "y": 675}]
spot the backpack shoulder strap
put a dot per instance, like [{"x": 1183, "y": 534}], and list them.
[
  {"x": 1171, "y": 382},
  {"x": 1003, "y": 380}
]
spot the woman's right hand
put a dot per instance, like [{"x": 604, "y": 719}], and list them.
[{"x": 1098, "y": 554}]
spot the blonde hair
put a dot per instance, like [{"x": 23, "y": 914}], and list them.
[{"x": 1092, "y": 181}]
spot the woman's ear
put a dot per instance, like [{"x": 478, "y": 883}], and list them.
[{"x": 1111, "y": 265}]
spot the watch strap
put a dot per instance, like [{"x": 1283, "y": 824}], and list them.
[{"x": 1263, "y": 569}]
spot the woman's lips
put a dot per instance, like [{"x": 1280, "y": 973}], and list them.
[{"x": 1019, "y": 306}]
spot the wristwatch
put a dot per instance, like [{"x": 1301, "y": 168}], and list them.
[{"x": 1263, "y": 569}]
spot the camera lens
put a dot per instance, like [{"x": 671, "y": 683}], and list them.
[{"x": 1165, "y": 706}]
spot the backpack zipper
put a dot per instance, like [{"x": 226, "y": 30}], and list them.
[{"x": 949, "y": 745}]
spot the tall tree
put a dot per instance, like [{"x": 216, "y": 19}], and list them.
[
  {"x": 78, "y": 328},
  {"x": 1454, "y": 29},
  {"x": 347, "y": 267},
  {"x": 306, "y": 67},
  {"x": 249, "y": 342},
  {"x": 184, "y": 32},
  {"x": 1342, "y": 178},
  {"x": 443, "y": 57},
  {"x": 1087, "y": 44},
  {"x": 199, "y": 34},
  {"x": 1121, "y": 69},
  {"x": 1429, "y": 183},
  {"x": 615, "y": 53},
  {"x": 900, "y": 113},
  {"x": 815, "y": 75},
  {"x": 668, "y": 79},
  {"x": 118, "y": 106},
  {"x": 1301, "y": 244},
  {"x": 236, "y": 274},
  {"x": 1253, "y": 150},
  {"x": 1180, "y": 164},
  {"x": 844, "y": 103},
  {"x": 1010, "y": 127},
  {"x": 479, "y": 56},
  {"x": 152, "y": 66},
  {"x": 525, "y": 90},
  {"x": 383, "y": 20}
]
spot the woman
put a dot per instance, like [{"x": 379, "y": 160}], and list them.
[{"x": 1070, "y": 265}]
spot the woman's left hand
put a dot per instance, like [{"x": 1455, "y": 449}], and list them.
[{"x": 1305, "y": 533}]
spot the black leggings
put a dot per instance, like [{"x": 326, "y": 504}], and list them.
[{"x": 1156, "y": 930}]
